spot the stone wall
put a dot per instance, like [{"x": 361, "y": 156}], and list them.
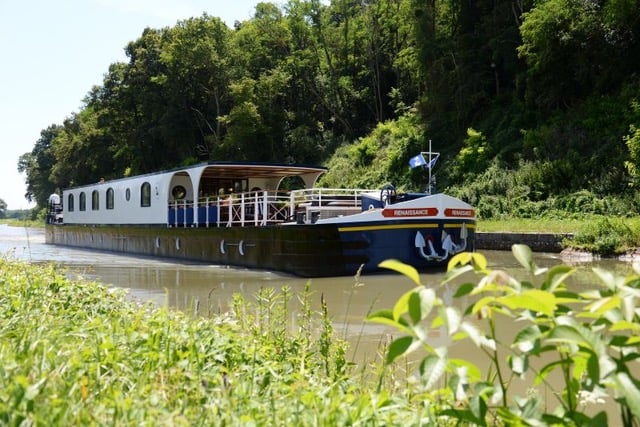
[{"x": 538, "y": 242}]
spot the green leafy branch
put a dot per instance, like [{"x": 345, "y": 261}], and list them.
[{"x": 586, "y": 341}]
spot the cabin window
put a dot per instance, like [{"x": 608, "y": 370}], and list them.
[
  {"x": 70, "y": 206},
  {"x": 145, "y": 195},
  {"x": 95, "y": 200},
  {"x": 83, "y": 201},
  {"x": 127, "y": 194},
  {"x": 110, "y": 198}
]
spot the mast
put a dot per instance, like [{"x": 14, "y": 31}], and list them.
[{"x": 433, "y": 158}]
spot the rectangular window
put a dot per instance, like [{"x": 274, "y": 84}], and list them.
[
  {"x": 145, "y": 195},
  {"x": 95, "y": 200},
  {"x": 110, "y": 198}
]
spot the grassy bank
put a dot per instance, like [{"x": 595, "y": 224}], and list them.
[
  {"x": 13, "y": 222},
  {"x": 599, "y": 234},
  {"x": 547, "y": 225},
  {"x": 78, "y": 353}
]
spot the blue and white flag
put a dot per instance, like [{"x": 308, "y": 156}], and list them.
[
  {"x": 417, "y": 161},
  {"x": 433, "y": 161}
]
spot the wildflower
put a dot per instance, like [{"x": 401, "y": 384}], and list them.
[{"x": 594, "y": 397}]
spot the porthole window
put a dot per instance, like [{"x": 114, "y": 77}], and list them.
[
  {"x": 179, "y": 192},
  {"x": 127, "y": 194}
]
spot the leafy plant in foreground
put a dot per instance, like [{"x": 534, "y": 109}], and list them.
[{"x": 586, "y": 342}]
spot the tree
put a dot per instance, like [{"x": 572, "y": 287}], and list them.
[
  {"x": 82, "y": 150},
  {"x": 574, "y": 48},
  {"x": 3, "y": 209},
  {"x": 198, "y": 72},
  {"x": 37, "y": 166}
]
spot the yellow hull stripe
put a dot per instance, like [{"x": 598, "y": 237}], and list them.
[{"x": 399, "y": 226}]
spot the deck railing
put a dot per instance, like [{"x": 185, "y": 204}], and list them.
[{"x": 260, "y": 208}]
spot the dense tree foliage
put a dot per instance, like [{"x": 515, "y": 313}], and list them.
[{"x": 529, "y": 101}]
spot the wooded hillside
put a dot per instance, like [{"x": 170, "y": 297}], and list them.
[{"x": 534, "y": 105}]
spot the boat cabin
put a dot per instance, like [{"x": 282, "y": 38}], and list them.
[{"x": 210, "y": 194}]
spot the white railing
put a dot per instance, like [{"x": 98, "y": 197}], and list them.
[{"x": 260, "y": 208}]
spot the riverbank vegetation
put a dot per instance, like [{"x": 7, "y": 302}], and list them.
[
  {"x": 585, "y": 336},
  {"x": 533, "y": 106},
  {"x": 79, "y": 353},
  {"x": 75, "y": 353},
  {"x": 597, "y": 234}
]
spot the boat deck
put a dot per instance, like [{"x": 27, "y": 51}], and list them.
[{"x": 261, "y": 208}]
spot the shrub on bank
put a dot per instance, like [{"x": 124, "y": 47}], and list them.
[{"x": 606, "y": 236}]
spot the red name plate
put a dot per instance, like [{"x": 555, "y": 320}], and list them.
[
  {"x": 395, "y": 213},
  {"x": 465, "y": 213}
]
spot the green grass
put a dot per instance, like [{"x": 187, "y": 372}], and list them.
[
  {"x": 543, "y": 225},
  {"x": 13, "y": 222},
  {"x": 79, "y": 353},
  {"x": 528, "y": 225},
  {"x": 603, "y": 235}
]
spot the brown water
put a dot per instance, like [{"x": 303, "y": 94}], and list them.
[{"x": 209, "y": 289}]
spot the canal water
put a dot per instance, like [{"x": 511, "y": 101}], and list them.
[{"x": 209, "y": 289}]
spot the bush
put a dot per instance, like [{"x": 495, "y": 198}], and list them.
[{"x": 606, "y": 236}]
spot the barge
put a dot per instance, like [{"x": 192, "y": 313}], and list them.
[{"x": 262, "y": 216}]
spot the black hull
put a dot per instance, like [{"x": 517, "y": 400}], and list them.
[{"x": 314, "y": 250}]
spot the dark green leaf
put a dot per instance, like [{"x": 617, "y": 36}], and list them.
[
  {"x": 478, "y": 408},
  {"x": 593, "y": 368},
  {"x": 464, "y": 289},
  {"x": 463, "y": 415},
  {"x": 420, "y": 304},
  {"x": 598, "y": 420},
  {"x": 398, "y": 347}
]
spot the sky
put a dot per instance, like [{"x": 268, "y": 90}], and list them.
[{"x": 53, "y": 52}]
